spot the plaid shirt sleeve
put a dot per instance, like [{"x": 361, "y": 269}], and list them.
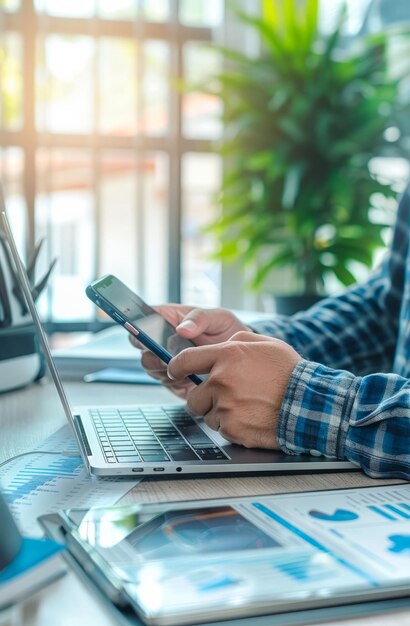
[
  {"x": 334, "y": 413},
  {"x": 357, "y": 330},
  {"x": 339, "y": 403}
]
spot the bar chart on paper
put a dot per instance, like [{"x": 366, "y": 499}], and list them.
[
  {"x": 43, "y": 483},
  {"x": 41, "y": 473}
]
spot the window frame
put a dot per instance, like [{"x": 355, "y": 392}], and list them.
[{"x": 30, "y": 24}]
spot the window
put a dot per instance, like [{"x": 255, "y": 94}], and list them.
[
  {"x": 364, "y": 17},
  {"x": 102, "y": 154}
]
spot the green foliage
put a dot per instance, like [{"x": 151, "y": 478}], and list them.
[{"x": 302, "y": 122}]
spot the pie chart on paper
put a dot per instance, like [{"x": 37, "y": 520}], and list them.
[
  {"x": 400, "y": 544},
  {"x": 339, "y": 515}
]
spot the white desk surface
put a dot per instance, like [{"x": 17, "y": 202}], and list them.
[{"x": 30, "y": 415}]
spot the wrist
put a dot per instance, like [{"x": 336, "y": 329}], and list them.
[{"x": 314, "y": 416}]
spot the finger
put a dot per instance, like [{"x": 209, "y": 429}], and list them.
[
  {"x": 196, "y": 322},
  {"x": 180, "y": 389},
  {"x": 152, "y": 363},
  {"x": 136, "y": 343},
  {"x": 204, "y": 322},
  {"x": 212, "y": 420},
  {"x": 199, "y": 360},
  {"x": 161, "y": 376},
  {"x": 199, "y": 401},
  {"x": 158, "y": 370},
  {"x": 173, "y": 313}
]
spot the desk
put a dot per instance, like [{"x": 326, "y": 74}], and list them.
[{"x": 30, "y": 415}]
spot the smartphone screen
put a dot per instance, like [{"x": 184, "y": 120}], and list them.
[{"x": 140, "y": 314}]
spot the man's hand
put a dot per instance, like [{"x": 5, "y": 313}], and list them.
[
  {"x": 202, "y": 326},
  {"x": 242, "y": 396}
]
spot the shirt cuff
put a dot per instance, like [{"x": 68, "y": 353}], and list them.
[{"x": 315, "y": 412}]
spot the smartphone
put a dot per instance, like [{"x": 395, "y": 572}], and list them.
[{"x": 141, "y": 321}]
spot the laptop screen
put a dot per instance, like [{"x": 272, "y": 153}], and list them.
[{"x": 26, "y": 289}]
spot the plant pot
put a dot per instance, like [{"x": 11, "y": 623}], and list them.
[
  {"x": 21, "y": 361},
  {"x": 288, "y": 305}
]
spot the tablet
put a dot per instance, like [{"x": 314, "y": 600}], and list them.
[{"x": 185, "y": 563}]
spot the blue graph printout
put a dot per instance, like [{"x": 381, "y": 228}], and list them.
[
  {"x": 365, "y": 531},
  {"x": 42, "y": 483},
  {"x": 37, "y": 475},
  {"x": 280, "y": 549}
]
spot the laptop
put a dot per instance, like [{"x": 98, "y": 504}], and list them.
[{"x": 154, "y": 440}]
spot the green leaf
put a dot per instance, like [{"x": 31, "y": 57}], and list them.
[
  {"x": 291, "y": 185},
  {"x": 273, "y": 38},
  {"x": 311, "y": 20},
  {"x": 281, "y": 260},
  {"x": 344, "y": 275},
  {"x": 302, "y": 121}
]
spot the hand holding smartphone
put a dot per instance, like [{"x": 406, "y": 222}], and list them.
[{"x": 138, "y": 318}]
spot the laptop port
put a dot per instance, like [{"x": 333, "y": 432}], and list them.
[
  {"x": 159, "y": 469},
  {"x": 179, "y": 469},
  {"x": 137, "y": 469}
]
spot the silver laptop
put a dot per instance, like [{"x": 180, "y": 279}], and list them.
[{"x": 152, "y": 439}]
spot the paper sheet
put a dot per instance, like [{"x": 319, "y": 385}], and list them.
[{"x": 41, "y": 483}]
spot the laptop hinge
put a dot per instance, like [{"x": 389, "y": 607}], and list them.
[{"x": 81, "y": 433}]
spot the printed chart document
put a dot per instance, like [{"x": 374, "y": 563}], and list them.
[
  {"x": 195, "y": 562},
  {"x": 41, "y": 483}
]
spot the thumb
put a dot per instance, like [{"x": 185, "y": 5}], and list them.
[{"x": 197, "y": 322}]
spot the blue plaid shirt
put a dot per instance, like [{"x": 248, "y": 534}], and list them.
[{"x": 350, "y": 395}]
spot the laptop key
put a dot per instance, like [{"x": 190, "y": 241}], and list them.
[
  {"x": 131, "y": 458},
  {"x": 211, "y": 454},
  {"x": 160, "y": 429},
  {"x": 168, "y": 440},
  {"x": 177, "y": 444},
  {"x": 183, "y": 455},
  {"x": 154, "y": 457},
  {"x": 144, "y": 453},
  {"x": 214, "y": 457},
  {"x": 200, "y": 442},
  {"x": 138, "y": 428},
  {"x": 116, "y": 429}
]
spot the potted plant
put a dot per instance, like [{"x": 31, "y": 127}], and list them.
[{"x": 302, "y": 121}]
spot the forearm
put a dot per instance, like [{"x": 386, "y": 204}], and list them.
[
  {"x": 356, "y": 331},
  {"x": 365, "y": 420}
]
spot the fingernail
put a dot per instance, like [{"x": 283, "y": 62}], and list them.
[
  {"x": 170, "y": 375},
  {"x": 187, "y": 324}
]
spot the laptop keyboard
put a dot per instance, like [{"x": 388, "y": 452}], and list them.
[{"x": 153, "y": 434}]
